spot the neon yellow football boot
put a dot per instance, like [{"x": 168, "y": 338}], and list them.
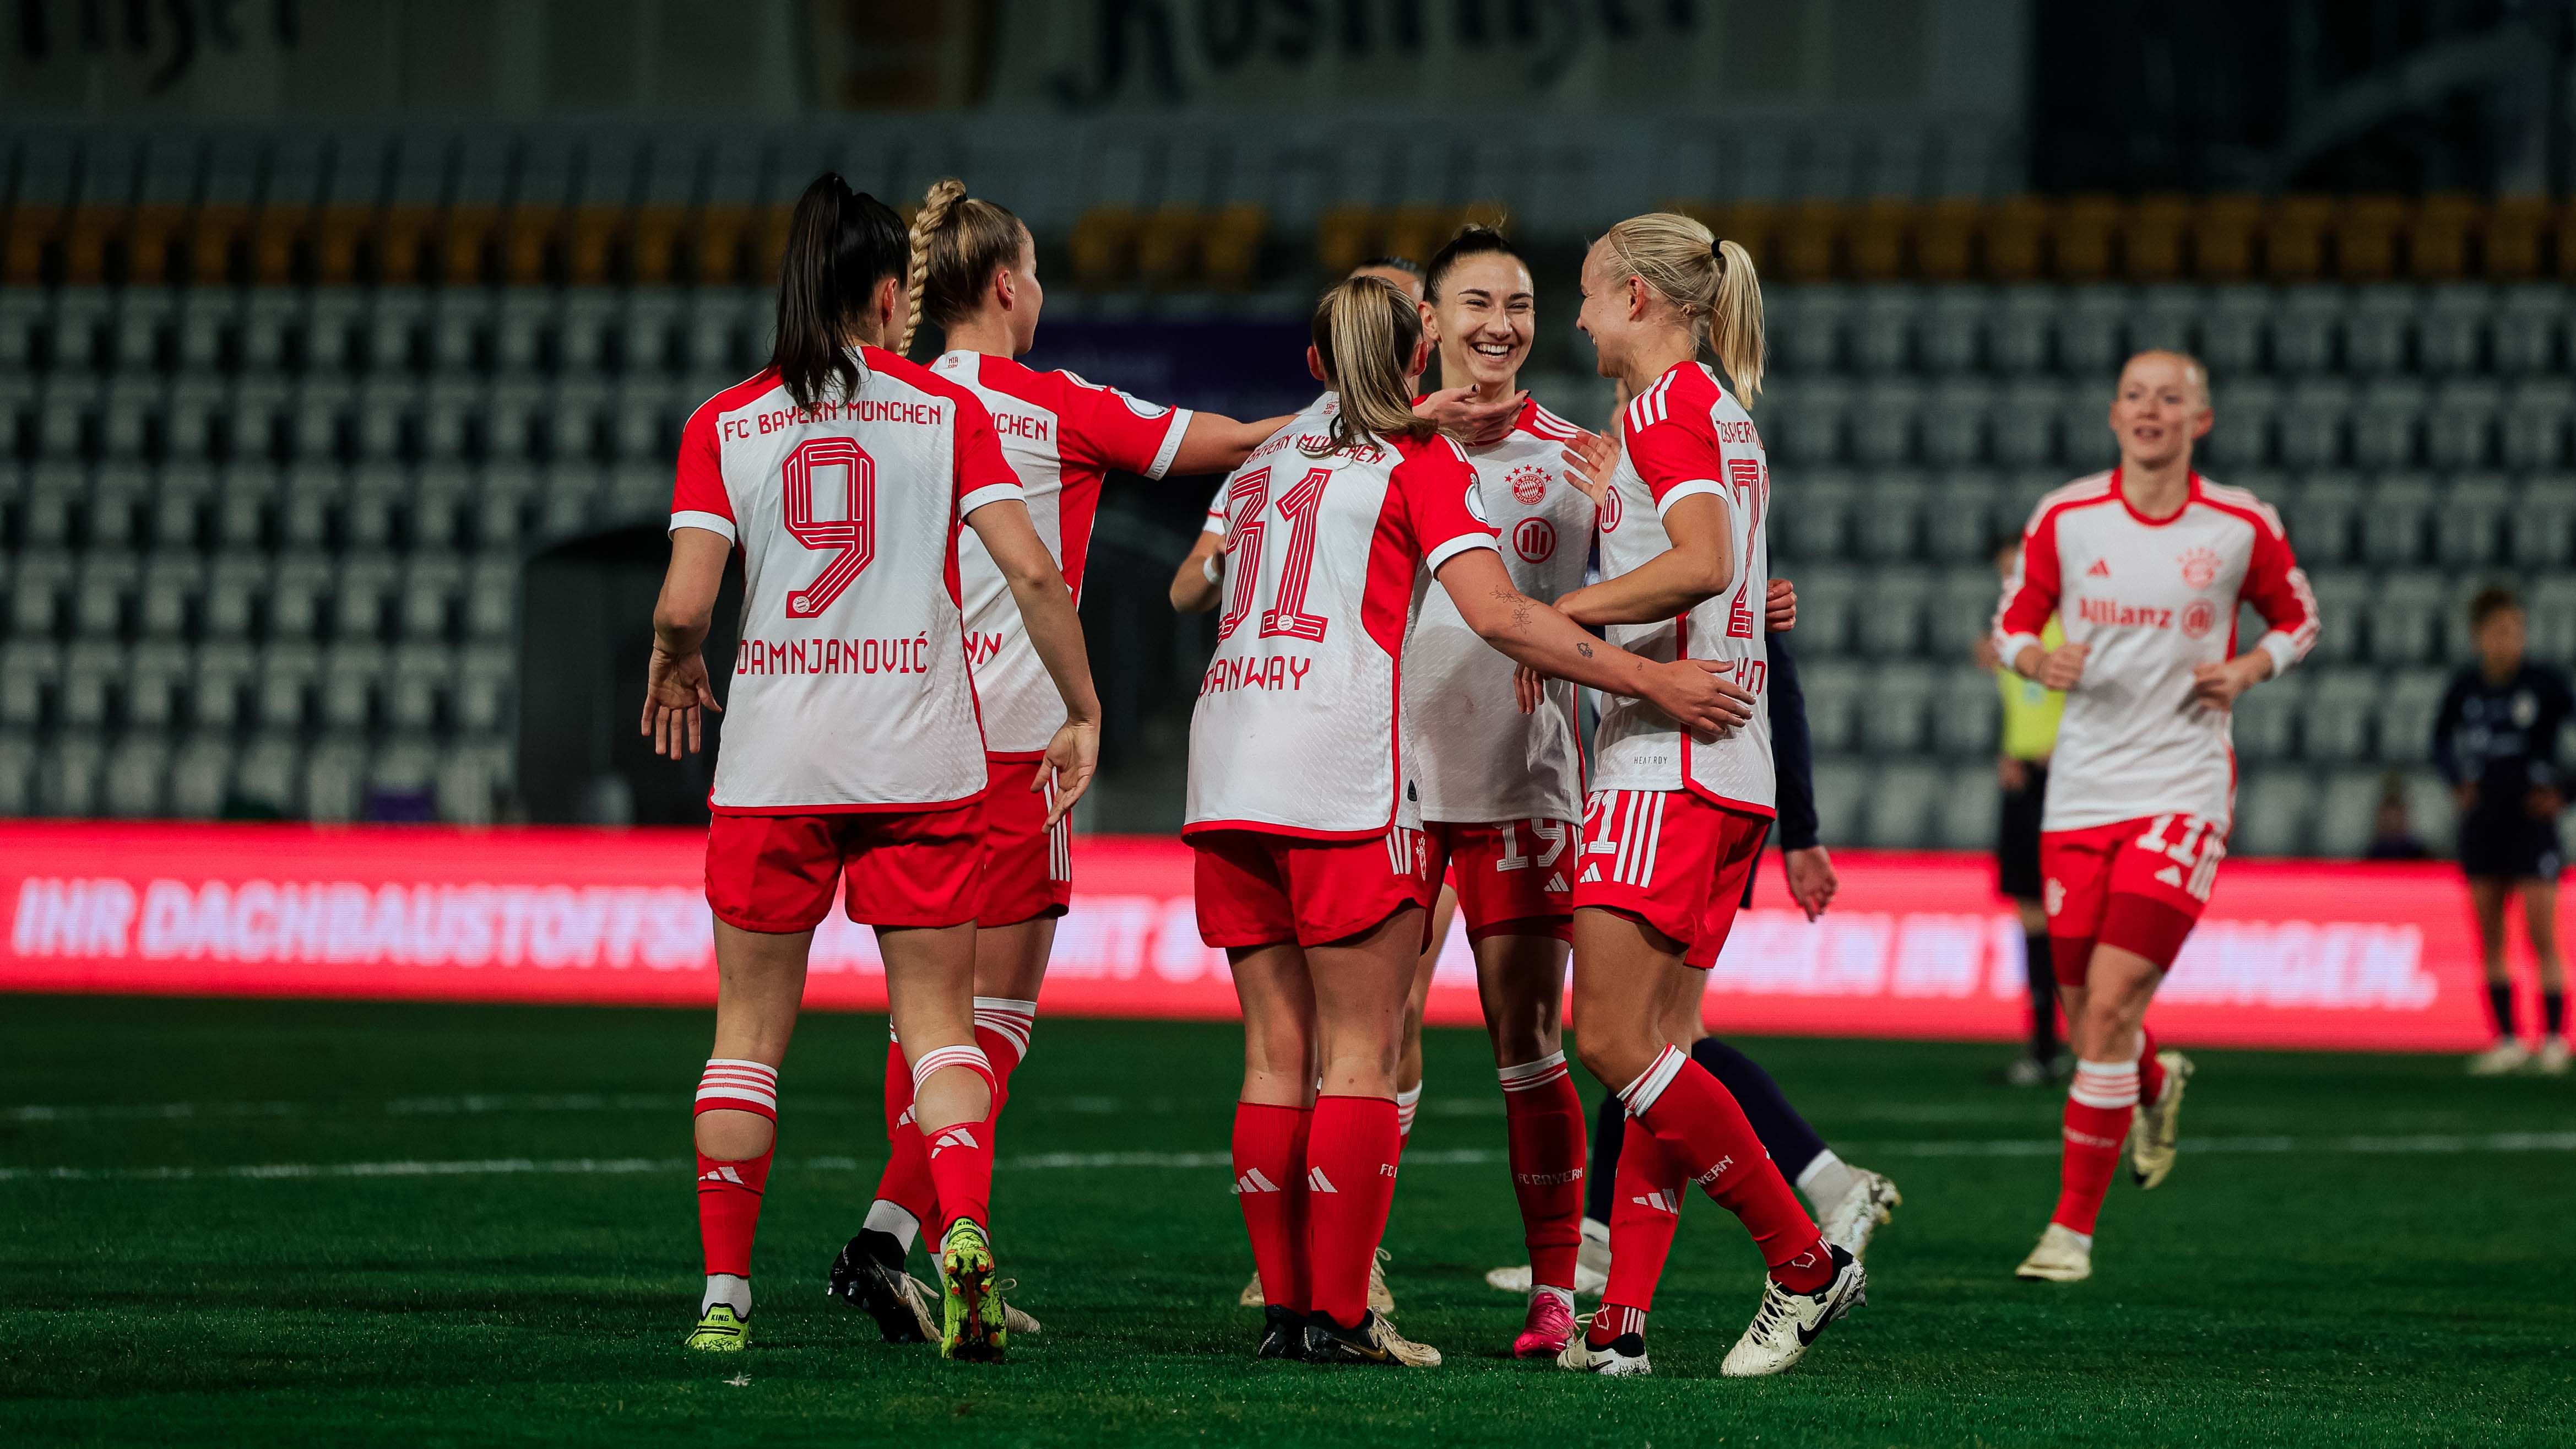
[
  {"x": 720, "y": 1332},
  {"x": 973, "y": 1326}
]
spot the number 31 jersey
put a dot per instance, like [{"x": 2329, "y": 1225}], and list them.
[
  {"x": 850, "y": 690},
  {"x": 1296, "y": 730},
  {"x": 1685, "y": 435}
]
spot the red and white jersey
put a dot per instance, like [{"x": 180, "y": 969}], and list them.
[
  {"x": 1684, "y": 436},
  {"x": 2154, "y": 598},
  {"x": 1297, "y": 726},
  {"x": 1474, "y": 757},
  {"x": 850, "y": 688},
  {"x": 1063, "y": 436}
]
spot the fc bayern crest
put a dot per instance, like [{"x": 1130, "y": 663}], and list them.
[
  {"x": 2199, "y": 617},
  {"x": 1534, "y": 539},
  {"x": 2199, "y": 567},
  {"x": 1529, "y": 484}
]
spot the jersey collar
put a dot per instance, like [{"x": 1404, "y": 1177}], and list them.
[{"x": 2191, "y": 495}]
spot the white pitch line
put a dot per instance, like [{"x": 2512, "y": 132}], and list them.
[{"x": 2433, "y": 1144}]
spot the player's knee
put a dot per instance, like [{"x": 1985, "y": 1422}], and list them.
[
  {"x": 730, "y": 1136},
  {"x": 1616, "y": 1058}
]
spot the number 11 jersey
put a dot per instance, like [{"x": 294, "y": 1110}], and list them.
[{"x": 850, "y": 689}]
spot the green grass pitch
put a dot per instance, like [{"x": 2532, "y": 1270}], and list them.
[{"x": 2370, "y": 1250}]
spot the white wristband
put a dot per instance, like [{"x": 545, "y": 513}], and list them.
[{"x": 1208, "y": 566}]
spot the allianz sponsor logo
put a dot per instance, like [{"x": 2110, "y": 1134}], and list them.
[
  {"x": 1932, "y": 956},
  {"x": 2113, "y": 612}
]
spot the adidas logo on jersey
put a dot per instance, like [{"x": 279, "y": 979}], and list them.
[
  {"x": 723, "y": 1174},
  {"x": 1591, "y": 874},
  {"x": 1253, "y": 1181},
  {"x": 2101, "y": 569},
  {"x": 1660, "y": 1200},
  {"x": 1316, "y": 1181}
]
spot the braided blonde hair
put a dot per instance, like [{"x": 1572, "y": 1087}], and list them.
[
  {"x": 1711, "y": 283},
  {"x": 958, "y": 242}
]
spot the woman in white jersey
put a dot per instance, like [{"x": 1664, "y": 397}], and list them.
[
  {"x": 841, "y": 473},
  {"x": 2144, "y": 567},
  {"x": 1676, "y": 816},
  {"x": 1311, "y": 867},
  {"x": 1501, "y": 790},
  {"x": 974, "y": 275}
]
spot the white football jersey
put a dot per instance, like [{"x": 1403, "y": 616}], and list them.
[
  {"x": 1297, "y": 727},
  {"x": 2154, "y": 598},
  {"x": 1684, "y": 436},
  {"x": 1475, "y": 758},
  {"x": 1063, "y": 437},
  {"x": 850, "y": 689}
]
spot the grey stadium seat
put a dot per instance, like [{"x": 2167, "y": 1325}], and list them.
[
  {"x": 224, "y": 672},
  {"x": 1841, "y": 786},
  {"x": 2273, "y": 809},
  {"x": 1837, "y": 692},
  {"x": 2544, "y": 519},
  {"x": 1899, "y": 705},
  {"x": 2337, "y": 717},
  {"x": 1891, "y": 515},
  {"x": 2395, "y": 522},
  {"x": 1891, "y": 622},
  {"x": 137, "y": 776},
  {"x": 2264, "y": 718},
  {"x": 1899, "y": 811},
  {"x": 2469, "y": 523}
]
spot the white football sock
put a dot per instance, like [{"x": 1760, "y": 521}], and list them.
[
  {"x": 885, "y": 1217},
  {"x": 1561, "y": 1295},
  {"x": 1825, "y": 1180},
  {"x": 726, "y": 1288}
]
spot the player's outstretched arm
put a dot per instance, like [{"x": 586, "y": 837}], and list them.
[
  {"x": 1537, "y": 637},
  {"x": 1055, "y": 631},
  {"x": 1199, "y": 582},
  {"x": 1216, "y": 443},
  {"x": 675, "y": 682},
  {"x": 1698, "y": 567}
]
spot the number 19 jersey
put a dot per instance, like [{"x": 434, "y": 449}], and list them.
[
  {"x": 1683, "y": 436},
  {"x": 850, "y": 689},
  {"x": 1296, "y": 730}
]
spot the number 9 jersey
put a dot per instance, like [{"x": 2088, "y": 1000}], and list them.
[
  {"x": 1296, "y": 727},
  {"x": 850, "y": 689}
]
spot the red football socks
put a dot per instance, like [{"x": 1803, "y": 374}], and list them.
[
  {"x": 1613, "y": 1320},
  {"x": 1350, "y": 1180},
  {"x": 1269, "y": 1177},
  {"x": 961, "y": 1154},
  {"x": 1002, "y": 1029},
  {"x": 1704, "y": 1131},
  {"x": 1643, "y": 1216},
  {"x": 1543, "y": 1118},
  {"x": 2151, "y": 1073},
  {"x": 729, "y": 1191},
  {"x": 2098, "y": 1108}
]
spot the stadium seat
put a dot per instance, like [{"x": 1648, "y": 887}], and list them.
[
  {"x": 1899, "y": 708},
  {"x": 2022, "y": 336},
  {"x": 2544, "y": 519},
  {"x": 153, "y": 681},
  {"x": 2263, "y": 720},
  {"x": 2390, "y": 416},
  {"x": 2461, "y": 422},
  {"x": 200, "y": 775},
  {"x": 2272, "y": 814},
  {"x": 224, "y": 674},
  {"x": 1898, "y": 813},
  {"x": 106, "y": 589},
  {"x": 2323, "y": 513},
  {"x": 1892, "y": 617},
  {"x": 269, "y": 774},
  {"x": 17, "y": 769},
  {"x": 1842, "y": 784},
  {"x": 2451, "y": 330},
  {"x": 67, "y": 777},
  {"x": 1966, "y": 711},
  {"x": 2408, "y": 704},
  {"x": 2247, "y": 415},
  {"x": 169, "y": 586},
  {"x": 29, "y": 668},
  {"x": 2536, "y": 414},
  {"x": 2406, "y": 619},
  {"x": 137, "y": 776},
  {"x": 2553, "y": 617},
  {"x": 2395, "y": 519},
  {"x": 2345, "y": 812},
  {"x": 2528, "y": 326},
  {"x": 2470, "y": 520}
]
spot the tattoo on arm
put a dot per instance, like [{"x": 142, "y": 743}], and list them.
[{"x": 1583, "y": 649}]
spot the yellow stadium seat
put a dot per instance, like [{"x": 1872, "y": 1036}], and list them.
[
  {"x": 592, "y": 237},
  {"x": 2437, "y": 232},
  {"x": 275, "y": 239},
  {"x": 154, "y": 231},
  {"x": 465, "y": 242},
  {"x": 1945, "y": 238},
  {"x": 1167, "y": 244},
  {"x": 2366, "y": 237},
  {"x": 2294, "y": 237},
  {"x": 87, "y": 234},
  {"x": 2151, "y": 237},
  {"x": 31, "y": 230},
  {"x": 339, "y": 238},
  {"x": 2017, "y": 237},
  {"x": 213, "y": 240},
  {"x": 1346, "y": 236},
  {"x": 2086, "y": 227},
  {"x": 1882, "y": 238},
  {"x": 403, "y": 235},
  {"x": 1755, "y": 226},
  {"x": 1104, "y": 246},
  {"x": 2223, "y": 230},
  {"x": 1415, "y": 232},
  {"x": 718, "y": 252},
  {"x": 769, "y": 243},
  {"x": 1811, "y": 240},
  {"x": 1230, "y": 251},
  {"x": 528, "y": 244},
  {"x": 653, "y": 244}
]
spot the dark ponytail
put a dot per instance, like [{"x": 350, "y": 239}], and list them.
[{"x": 840, "y": 245}]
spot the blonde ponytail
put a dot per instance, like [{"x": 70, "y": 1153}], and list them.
[
  {"x": 957, "y": 243},
  {"x": 1710, "y": 282},
  {"x": 1366, "y": 334}
]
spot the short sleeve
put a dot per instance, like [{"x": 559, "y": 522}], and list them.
[
  {"x": 1676, "y": 453},
  {"x": 698, "y": 496},
  {"x": 1216, "y": 511},
  {"x": 983, "y": 474},
  {"x": 1437, "y": 488},
  {"x": 1118, "y": 430}
]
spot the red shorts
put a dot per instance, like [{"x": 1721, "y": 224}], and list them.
[
  {"x": 775, "y": 873},
  {"x": 1671, "y": 859},
  {"x": 2139, "y": 885},
  {"x": 1256, "y": 889},
  {"x": 1514, "y": 877},
  {"x": 1030, "y": 871}
]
